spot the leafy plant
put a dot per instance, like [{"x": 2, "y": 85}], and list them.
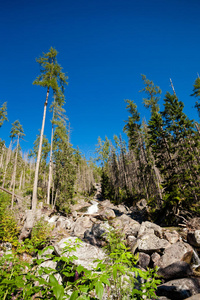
[{"x": 117, "y": 277}]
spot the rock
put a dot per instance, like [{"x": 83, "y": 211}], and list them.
[
  {"x": 53, "y": 219},
  {"x": 142, "y": 204},
  {"x": 99, "y": 230},
  {"x": 122, "y": 209},
  {"x": 144, "y": 260},
  {"x": 149, "y": 243},
  {"x": 86, "y": 253},
  {"x": 194, "y": 297},
  {"x": 131, "y": 240},
  {"x": 63, "y": 223},
  {"x": 28, "y": 225},
  {"x": 179, "y": 288},
  {"x": 171, "y": 236},
  {"x": 127, "y": 224},
  {"x": 107, "y": 203},
  {"x": 81, "y": 225},
  {"x": 193, "y": 238},
  {"x": 148, "y": 227},
  {"x": 174, "y": 253},
  {"x": 179, "y": 269},
  {"x": 155, "y": 258},
  {"x": 45, "y": 255},
  {"x": 107, "y": 214},
  {"x": 50, "y": 265},
  {"x": 89, "y": 238},
  {"x": 82, "y": 205}
]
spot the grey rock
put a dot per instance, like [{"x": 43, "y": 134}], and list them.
[
  {"x": 174, "y": 253},
  {"x": 107, "y": 214},
  {"x": 144, "y": 260},
  {"x": 172, "y": 236},
  {"x": 148, "y": 228},
  {"x": 179, "y": 288},
  {"x": 179, "y": 269},
  {"x": 85, "y": 253},
  {"x": 81, "y": 225},
  {"x": 151, "y": 243},
  {"x": 193, "y": 238}
]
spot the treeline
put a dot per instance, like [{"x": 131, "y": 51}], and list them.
[
  {"x": 161, "y": 162},
  {"x": 52, "y": 171}
]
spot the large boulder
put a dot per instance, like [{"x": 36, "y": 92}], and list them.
[
  {"x": 81, "y": 225},
  {"x": 150, "y": 243},
  {"x": 148, "y": 228},
  {"x": 29, "y": 221},
  {"x": 144, "y": 260},
  {"x": 126, "y": 224},
  {"x": 85, "y": 253},
  {"x": 193, "y": 238},
  {"x": 179, "y": 288},
  {"x": 179, "y": 269},
  {"x": 107, "y": 214},
  {"x": 174, "y": 253},
  {"x": 171, "y": 236}
]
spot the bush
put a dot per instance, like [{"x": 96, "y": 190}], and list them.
[{"x": 8, "y": 225}]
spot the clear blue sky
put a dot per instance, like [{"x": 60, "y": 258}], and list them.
[{"x": 104, "y": 46}]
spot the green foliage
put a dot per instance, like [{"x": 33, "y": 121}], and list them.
[
  {"x": 8, "y": 225},
  {"x": 3, "y": 113},
  {"x": 132, "y": 126},
  {"x": 153, "y": 92},
  {"x": 40, "y": 234},
  {"x": 16, "y": 130},
  {"x": 117, "y": 276}
]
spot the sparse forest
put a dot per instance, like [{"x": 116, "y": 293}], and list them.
[
  {"x": 45, "y": 194},
  {"x": 160, "y": 163}
]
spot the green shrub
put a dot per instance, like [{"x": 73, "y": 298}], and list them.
[{"x": 8, "y": 225}]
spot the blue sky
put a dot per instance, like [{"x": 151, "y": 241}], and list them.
[{"x": 104, "y": 47}]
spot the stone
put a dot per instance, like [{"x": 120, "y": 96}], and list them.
[
  {"x": 174, "y": 253},
  {"x": 107, "y": 214},
  {"x": 148, "y": 227},
  {"x": 171, "y": 236},
  {"x": 81, "y": 225},
  {"x": 149, "y": 243},
  {"x": 194, "y": 297},
  {"x": 179, "y": 288},
  {"x": 51, "y": 265},
  {"x": 99, "y": 230},
  {"x": 144, "y": 260},
  {"x": 28, "y": 225},
  {"x": 63, "y": 223},
  {"x": 142, "y": 204},
  {"x": 85, "y": 253},
  {"x": 179, "y": 269},
  {"x": 193, "y": 238},
  {"x": 155, "y": 258}
]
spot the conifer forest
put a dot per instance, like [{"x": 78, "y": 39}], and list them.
[{"x": 158, "y": 161}]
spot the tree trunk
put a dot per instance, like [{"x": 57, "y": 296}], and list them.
[
  {"x": 14, "y": 174},
  {"x": 8, "y": 156},
  {"x": 50, "y": 166},
  {"x": 34, "y": 199}
]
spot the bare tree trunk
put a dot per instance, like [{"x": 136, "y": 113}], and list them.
[
  {"x": 14, "y": 174},
  {"x": 50, "y": 166},
  {"x": 34, "y": 199},
  {"x": 8, "y": 156},
  {"x": 2, "y": 155}
]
